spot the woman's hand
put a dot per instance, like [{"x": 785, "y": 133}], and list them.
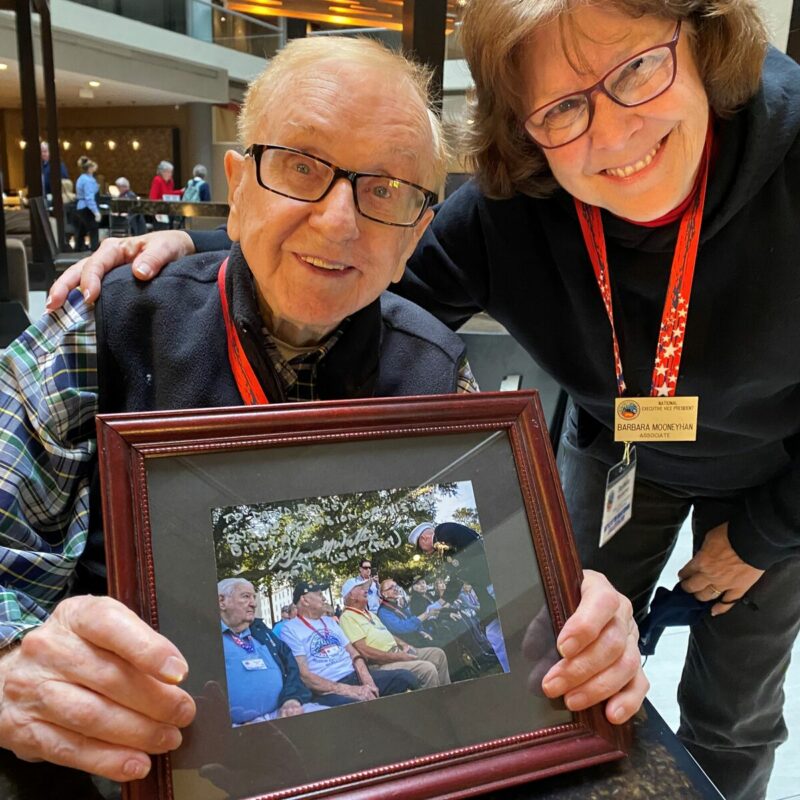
[{"x": 717, "y": 572}]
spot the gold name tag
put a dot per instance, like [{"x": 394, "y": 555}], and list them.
[{"x": 655, "y": 419}]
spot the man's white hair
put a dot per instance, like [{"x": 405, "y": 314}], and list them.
[
  {"x": 307, "y": 54},
  {"x": 226, "y": 586}
]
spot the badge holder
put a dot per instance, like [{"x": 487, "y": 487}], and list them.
[{"x": 618, "y": 499}]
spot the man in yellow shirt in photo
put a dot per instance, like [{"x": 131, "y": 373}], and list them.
[{"x": 380, "y": 648}]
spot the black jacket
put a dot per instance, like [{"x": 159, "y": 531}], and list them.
[
  {"x": 293, "y": 687},
  {"x": 524, "y": 261}
]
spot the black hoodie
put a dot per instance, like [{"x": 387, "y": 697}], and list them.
[{"x": 524, "y": 261}]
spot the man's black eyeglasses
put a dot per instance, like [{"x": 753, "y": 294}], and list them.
[{"x": 300, "y": 176}]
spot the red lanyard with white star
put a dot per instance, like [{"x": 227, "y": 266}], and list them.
[
  {"x": 246, "y": 381},
  {"x": 676, "y": 305}
]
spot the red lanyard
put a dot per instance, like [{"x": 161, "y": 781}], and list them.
[
  {"x": 309, "y": 625},
  {"x": 676, "y": 305},
  {"x": 246, "y": 381},
  {"x": 245, "y": 644}
]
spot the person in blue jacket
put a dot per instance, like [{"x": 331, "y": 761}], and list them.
[{"x": 263, "y": 677}]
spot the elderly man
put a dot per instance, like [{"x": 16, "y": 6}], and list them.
[
  {"x": 263, "y": 679},
  {"x": 397, "y": 616},
  {"x": 135, "y": 222},
  {"x": 329, "y": 665},
  {"x": 47, "y": 183},
  {"x": 326, "y": 203},
  {"x": 380, "y": 648}
]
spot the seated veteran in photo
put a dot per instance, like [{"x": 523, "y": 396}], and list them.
[
  {"x": 382, "y": 650},
  {"x": 395, "y": 614},
  {"x": 340, "y": 160},
  {"x": 449, "y": 630},
  {"x": 463, "y": 556},
  {"x": 329, "y": 665},
  {"x": 262, "y": 675}
]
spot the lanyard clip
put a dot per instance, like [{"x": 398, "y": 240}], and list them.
[{"x": 626, "y": 456}]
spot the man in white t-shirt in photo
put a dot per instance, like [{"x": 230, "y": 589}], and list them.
[{"x": 329, "y": 665}]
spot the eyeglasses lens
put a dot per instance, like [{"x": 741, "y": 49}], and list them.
[
  {"x": 303, "y": 177},
  {"x": 633, "y": 83}
]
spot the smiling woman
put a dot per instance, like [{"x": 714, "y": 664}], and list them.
[{"x": 639, "y": 164}]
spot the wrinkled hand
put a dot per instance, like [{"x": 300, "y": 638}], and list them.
[
  {"x": 93, "y": 688},
  {"x": 147, "y": 255},
  {"x": 366, "y": 691},
  {"x": 600, "y": 654},
  {"x": 717, "y": 569},
  {"x": 291, "y": 708}
]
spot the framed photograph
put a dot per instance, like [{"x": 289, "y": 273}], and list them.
[{"x": 367, "y": 593}]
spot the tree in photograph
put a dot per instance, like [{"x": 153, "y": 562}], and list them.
[{"x": 320, "y": 537}]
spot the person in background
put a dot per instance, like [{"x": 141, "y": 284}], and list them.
[
  {"x": 197, "y": 189},
  {"x": 287, "y": 612},
  {"x": 47, "y": 186},
  {"x": 87, "y": 214},
  {"x": 136, "y": 223},
  {"x": 162, "y": 182},
  {"x": 365, "y": 572}
]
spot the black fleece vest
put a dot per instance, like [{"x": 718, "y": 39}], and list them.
[{"x": 163, "y": 345}]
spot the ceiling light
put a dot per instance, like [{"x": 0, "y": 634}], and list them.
[
  {"x": 22, "y": 144},
  {"x": 66, "y": 145},
  {"x": 3, "y": 66},
  {"x": 222, "y": 19},
  {"x": 88, "y": 145},
  {"x": 112, "y": 145},
  {"x": 135, "y": 144},
  {"x": 94, "y": 84}
]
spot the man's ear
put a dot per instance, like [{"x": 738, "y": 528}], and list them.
[
  {"x": 415, "y": 235},
  {"x": 234, "y": 172}
]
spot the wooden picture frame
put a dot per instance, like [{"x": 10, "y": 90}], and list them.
[{"x": 163, "y": 473}]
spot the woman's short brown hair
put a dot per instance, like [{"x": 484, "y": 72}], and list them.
[
  {"x": 85, "y": 164},
  {"x": 728, "y": 39}
]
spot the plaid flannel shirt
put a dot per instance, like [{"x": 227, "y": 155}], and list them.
[{"x": 48, "y": 402}]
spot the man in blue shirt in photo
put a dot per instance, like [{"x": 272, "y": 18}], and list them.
[{"x": 263, "y": 678}]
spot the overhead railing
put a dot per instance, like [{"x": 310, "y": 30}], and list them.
[{"x": 210, "y": 22}]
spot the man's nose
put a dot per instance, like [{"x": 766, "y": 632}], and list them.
[{"x": 336, "y": 215}]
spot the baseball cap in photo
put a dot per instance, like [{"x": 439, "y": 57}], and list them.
[
  {"x": 351, "y": 584},
  {"x": 304, "y": 587}
]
